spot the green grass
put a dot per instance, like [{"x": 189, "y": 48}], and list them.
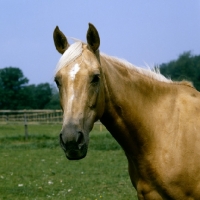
[{"x": 37, "y": 168}]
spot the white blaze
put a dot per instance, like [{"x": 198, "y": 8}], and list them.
[
  {"x": 72, "y": 74},
  {"x": 74, "y": 70}
]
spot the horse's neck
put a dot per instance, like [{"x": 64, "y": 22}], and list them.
[{"x": 128, "y": 94}]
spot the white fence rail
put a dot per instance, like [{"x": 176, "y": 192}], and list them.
[
  {"x": 26, "y": 117},
  {"x": 31, "y": 116}
]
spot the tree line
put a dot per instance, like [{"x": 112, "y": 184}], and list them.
[
  {"x": 16, "y": 93},
  {"x": 186, "y": 67}
]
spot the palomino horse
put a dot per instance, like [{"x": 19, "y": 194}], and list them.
[{"x": 155, "y": 120}]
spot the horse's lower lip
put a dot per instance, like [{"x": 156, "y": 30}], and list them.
[
  {"x": 75, "y": 154},
  {"x": 75, "y": 157}
]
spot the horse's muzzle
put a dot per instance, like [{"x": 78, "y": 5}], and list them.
[{"x": 74, "y": 149}]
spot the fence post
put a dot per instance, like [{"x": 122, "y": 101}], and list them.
[
  {"x": 101, "y": 127},
  {"x": 25, "y": 126}
]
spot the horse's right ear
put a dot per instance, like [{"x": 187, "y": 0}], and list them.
[
  {"x": 60, "y": 40},
  {"x": 93, "y": 38}
]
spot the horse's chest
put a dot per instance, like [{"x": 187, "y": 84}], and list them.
[{"x": 151, "y": 182}]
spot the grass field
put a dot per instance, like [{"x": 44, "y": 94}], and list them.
[{"x": 37, "y": 168}]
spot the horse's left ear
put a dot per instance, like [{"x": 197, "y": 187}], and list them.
[
  {"x": 93, "y": 38},
  {"x": 60, "y": 41}
]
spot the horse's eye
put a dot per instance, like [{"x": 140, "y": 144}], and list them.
[
  {"x": 95, "y": 79},
  {"x": 57, "y": 82}
]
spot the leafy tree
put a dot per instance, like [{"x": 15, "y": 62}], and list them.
[
  {"x": 12, "y": 82},
  {"x": 42, "y": 95},
  {"x": 37, "y": 96},
  {"x": 186, "y": 67},
  {"x": 54, "y": 102},
  {"x": 15, "y": 93},
  {"x": 28, "y": 97}
]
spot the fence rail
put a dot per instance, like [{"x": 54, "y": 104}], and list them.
[
  {"x": 34, "y": 116},
  {"x": 31, "y": 116}
]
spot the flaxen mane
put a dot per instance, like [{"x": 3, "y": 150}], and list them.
[
  {"x": 76, "y": 49},
  {"x": 73, "y": 52},
  {"x": 154, "y": 74}
]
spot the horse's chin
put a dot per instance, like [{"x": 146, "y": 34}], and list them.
[
  {"x": 75, "y": 158},
  {"x": 75, "y": 154}
]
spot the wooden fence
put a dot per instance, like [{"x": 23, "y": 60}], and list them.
[
  {"x": 26, "y": 117},
  {"x": 31, "y": 116}
]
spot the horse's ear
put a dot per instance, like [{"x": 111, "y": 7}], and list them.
[
  {"x": 60, "y": 40},
  {"x": 93, "y": 38}
]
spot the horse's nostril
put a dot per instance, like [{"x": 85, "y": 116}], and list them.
[
  {"x": 61, "y": 138},
  {"x": 80, "y": 138},
  {"x": 62, "y": 143},
  {"x": 72, "y": 141}
]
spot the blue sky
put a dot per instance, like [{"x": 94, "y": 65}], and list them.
[{"x": 152, "y": 32}]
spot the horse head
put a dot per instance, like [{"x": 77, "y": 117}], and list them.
[{"x": 79, "y": 79}]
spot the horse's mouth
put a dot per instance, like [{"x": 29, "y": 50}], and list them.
[
  {"x": 74, "y": 151},
  {"x": 75, "y": 155}
]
